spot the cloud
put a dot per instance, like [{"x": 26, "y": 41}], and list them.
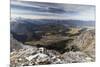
[
  {"x": 36, "y": 8},
  {"x": 53, "y": 10}
]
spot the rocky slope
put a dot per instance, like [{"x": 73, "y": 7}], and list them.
[
  {"x": 41, "y": 56},
  {"x": 81, "y": 49},
  {"x": 14, "y": 44},
  {"x": 86, "y": 42}
]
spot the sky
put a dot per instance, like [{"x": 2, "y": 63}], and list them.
[{"x": 40, "y": 10}]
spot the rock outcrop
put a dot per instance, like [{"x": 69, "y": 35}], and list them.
[
  {"x": 86, "y": 42},
  {"x": 35, "y": 56}
]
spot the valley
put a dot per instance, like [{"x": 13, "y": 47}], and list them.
[{"x": 51, "y": 43}]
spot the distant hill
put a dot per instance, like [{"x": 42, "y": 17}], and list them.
[
  {"x": 28, "y": 29},
  {"x": 69, "y": 22}
]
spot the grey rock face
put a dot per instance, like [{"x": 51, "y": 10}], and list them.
[{"x": 86, "y": 42}]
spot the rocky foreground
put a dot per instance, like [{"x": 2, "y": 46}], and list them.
[
  {"x": 31, "y": 55},
  {"x": 38, "y": 56}
]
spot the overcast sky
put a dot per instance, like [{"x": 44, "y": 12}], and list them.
[{"x": 37, "y": 10}]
